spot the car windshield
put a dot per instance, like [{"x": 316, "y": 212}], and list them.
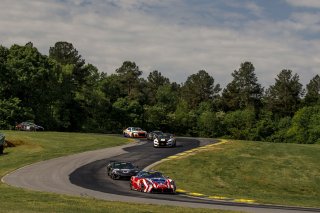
[
  {"x": 158, "y": 132},
  {"x": 146, "y": 174},
  {"x": 123, "y": 165},
  {"x": 165, "y": 135},
  {"x": 136, "y": 129}
]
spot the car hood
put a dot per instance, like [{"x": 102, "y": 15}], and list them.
[{"x": 166, "y": 138}]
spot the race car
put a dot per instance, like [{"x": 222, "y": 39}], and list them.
[
  {"x": 117, "y": 169},
  {"x": 134, "y": 132},
  {"x": 152, "y": 135},
  {"x": 164, "y": 140},
  {"x": 152, "y": 182}
]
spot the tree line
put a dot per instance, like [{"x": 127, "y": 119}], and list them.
[{"x": 62, "y": 92}]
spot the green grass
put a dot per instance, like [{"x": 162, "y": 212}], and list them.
[
  {"x": 36, "y": 146},
  {"x": 287, "y": 174}
]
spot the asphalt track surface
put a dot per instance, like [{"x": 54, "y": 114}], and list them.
[{"x": 85, "y": 175}]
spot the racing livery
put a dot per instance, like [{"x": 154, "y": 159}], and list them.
[
  {"x": 164, "y": 140},
  {"x": 134, "y": 132},
  {"x": 152, "y": 182}
]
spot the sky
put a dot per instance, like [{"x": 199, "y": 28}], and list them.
[{"x": 176, "y": 37}]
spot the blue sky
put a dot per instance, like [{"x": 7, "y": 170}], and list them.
[{"x": 176, "y": 37}]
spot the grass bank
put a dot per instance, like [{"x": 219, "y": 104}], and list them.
[
  {"x": 287, "y": 174},
  {"x": 30, "y": 147}
]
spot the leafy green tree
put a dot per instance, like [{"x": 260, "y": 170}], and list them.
[
  {"x": 244, "y": 90},
  {"x": 127, "y": 112},
  {"x": 240, "y": 123},
  {"x": 129, "y": 74},
  {"x": 167, "y": 96},
  {"x": 210, "y": 124},
  {"x": 31, "y": 79},
  {"x": 281, "y": 127},
  {"x": 313, "y": 91},
  {"x": 155, "y": 80},
  {"x": 5, "y": 77},
  {"x": 284, "y": 97},
  {"x": 305, "y": 127},
  {"x": 64, "y": 53},
  {"x": 198, "y": 88},
  {"x": 75, "y": 80},
  {"x": 184, "y": 119},
  {"x": 264, "y": 127},
  {"x": 156, "y": 117},
  {"x": 11, "y": 112},
  {"x": 91, "y": 99},
  {"x": 111, "y": 87}
]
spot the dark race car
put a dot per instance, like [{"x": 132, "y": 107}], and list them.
[
  {"x": 164, "y": 140},
  {"x": 117, "y": 170},
  {"x": 29, "y": 126},
  {"x": 152, "y": 182},
  {"x": 152, "y": 135}
]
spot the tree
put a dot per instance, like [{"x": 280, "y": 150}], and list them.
[
  {"x": 244, "y": 90},
  {"x": 70, "y": 111},
  {"x": 4, "y": 73},
  {"x": 184, "y": 119},
  {"x": 284, "y": 97},
  {"x": 305, "y": 126},
  {"x": 313, "y": 91},
  {"x": 210, "y": 124},
  {"x": 64, "y": 53},
  {"x": 240, "y": 123},
  {"x": 129, "y": 74},
  {"x": 155, "y": 80},
  {"x": 32, "y": 79},
  {"x": 11, "y": 112},
  {"x": 198, "y": 88}
]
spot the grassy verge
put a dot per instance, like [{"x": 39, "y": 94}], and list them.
[
  {"x": 31, "y": 147},
  {"x": 287, "y": 174}
]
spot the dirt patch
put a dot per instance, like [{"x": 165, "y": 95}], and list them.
[{"x": 14, "y": 143}]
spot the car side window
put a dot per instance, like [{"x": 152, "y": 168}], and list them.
[{"x": 129, "y": 129}]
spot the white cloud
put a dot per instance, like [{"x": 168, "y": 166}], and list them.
[
  {"x": 106, "y": 34},
  {"x": 304, "y": 3}
]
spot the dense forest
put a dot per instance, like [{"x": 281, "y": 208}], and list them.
[{"x": 63, "y": 93}]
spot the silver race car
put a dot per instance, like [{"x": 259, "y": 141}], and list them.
[{"x": 164, "y": 140}]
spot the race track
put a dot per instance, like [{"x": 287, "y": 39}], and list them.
[{"x": 85, "y": 175}]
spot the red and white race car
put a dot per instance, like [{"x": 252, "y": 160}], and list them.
[
  {"x": 134, "y": 132},
  {"x": 152, "y": 182}
]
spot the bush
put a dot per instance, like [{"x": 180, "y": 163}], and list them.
[{"x": 305, "y": 126}]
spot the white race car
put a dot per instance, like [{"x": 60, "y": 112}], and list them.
[{"x": 164, "y": 140}]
